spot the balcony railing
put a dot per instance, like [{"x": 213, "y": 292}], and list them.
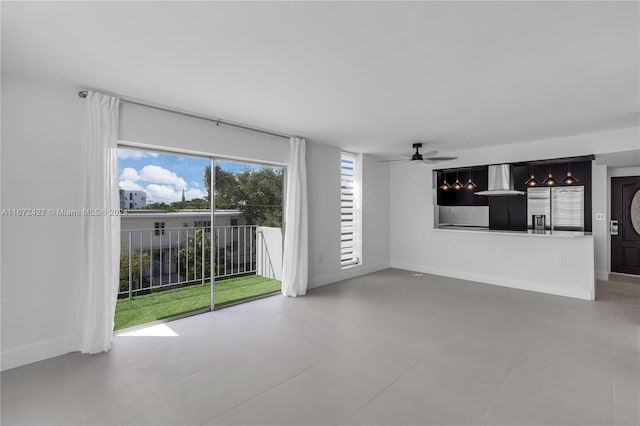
[{"x": 162, "y": 258}]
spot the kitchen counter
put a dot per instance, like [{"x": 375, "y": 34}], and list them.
[
  {"x": 560, "y": 263},
  {"x": 530, "y": 232}
]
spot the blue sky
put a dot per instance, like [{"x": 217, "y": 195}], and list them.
[{"x": 164, "y": 176}]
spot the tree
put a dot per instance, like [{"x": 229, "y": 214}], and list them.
[
  {"x": 194, "y": 255},
  {"x": 256, "y": 193},
  {"x": 260, "y": 192},
  {"x": 225, "y": 184},
  {"x": 140, "y": 263},
  {"x": 161, "y": 206}
]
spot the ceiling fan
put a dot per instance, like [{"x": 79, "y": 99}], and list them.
[{"x": 428, "y": 157}]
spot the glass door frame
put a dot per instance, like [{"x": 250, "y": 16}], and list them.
[{"x": 213, "y": 158}]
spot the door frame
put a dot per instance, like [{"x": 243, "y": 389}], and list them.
[{"x": 622, "y": 172}]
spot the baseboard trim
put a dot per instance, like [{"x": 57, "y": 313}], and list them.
[
  {"x": 602, "y": 276},
  {"x": 35, "y": 352},
  {"x": 624, "y": 278},
  {"x": 346, "y": 274},
  {"x": 519, "y": 284}
]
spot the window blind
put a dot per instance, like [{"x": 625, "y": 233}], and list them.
[{"x": 349, "y": 217}]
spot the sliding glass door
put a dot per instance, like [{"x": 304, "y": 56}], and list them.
[
  {"x": 166, "y": 226},
  {"x": 197, "y": 233},
  {"x": 248, "y": 231}
]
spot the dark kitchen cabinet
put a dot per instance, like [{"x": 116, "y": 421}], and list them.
[
  {"x": 463, "y": 196},
  {"x": 508, "y": 212}
]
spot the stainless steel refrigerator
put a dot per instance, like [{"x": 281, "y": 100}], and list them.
[
  {"x": 567, "y": 208},
  {"x": 539, "y": 209},
  {"x": 557, "y": 208}
]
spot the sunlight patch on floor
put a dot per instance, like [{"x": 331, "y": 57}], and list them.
[{"x": 160, "y": 330}]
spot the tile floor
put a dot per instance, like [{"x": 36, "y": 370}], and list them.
[{"x": 388, "y": 348}]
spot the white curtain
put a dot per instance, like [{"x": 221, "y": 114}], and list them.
[
  {"x": 94, "y": 318},
  {"x": 296, "y": 251}
]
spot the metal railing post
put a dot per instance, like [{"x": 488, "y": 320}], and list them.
[
  {"x": 160, "y": 257},
  {"x": 141, "y": 262},
  {"x": 151, "y": 233},
  {"x": 202, "y": 256},
  {"x": 130, "y": 265}
]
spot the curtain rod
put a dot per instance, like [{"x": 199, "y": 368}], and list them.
[{"x": 83, "y": 94}]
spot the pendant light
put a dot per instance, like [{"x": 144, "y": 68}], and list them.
[
  {"x": 470, "y": 185},
  {"x": 550, "y": 181},
  {"x": 457, "y": 186},
  {"x": 570, "y": 179},
  {"x": 445, "y": 186},
  {"x": 532, "y": 179}
]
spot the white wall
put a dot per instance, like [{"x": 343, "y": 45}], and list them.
[
  {"x": 42, "y": 142},
  {"x": 42, "y": 128},
  {"x": 269, "y": 252},
  {"x": 623, "y": 171},
  {"x": 414, "y": 243},
  {"x": 600, "y": 230},
  {"x": 323, "y": 172},
  {"x": 152, "y": 127}
]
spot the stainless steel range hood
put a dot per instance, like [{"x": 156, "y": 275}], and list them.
[{"x": 500, "y": 181}]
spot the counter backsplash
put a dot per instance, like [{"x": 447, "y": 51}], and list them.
[{"x": 464, "y": 215}]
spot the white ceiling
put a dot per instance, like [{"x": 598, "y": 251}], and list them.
[{"x": 372, "y": 77}]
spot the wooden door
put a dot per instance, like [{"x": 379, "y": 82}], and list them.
[{"x": 625, "y": 209}]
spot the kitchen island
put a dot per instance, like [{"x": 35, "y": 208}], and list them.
[{"x": 559, "y": 262}]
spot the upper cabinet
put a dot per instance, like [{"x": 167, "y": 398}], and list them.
[{"x": 464, "y": 195}]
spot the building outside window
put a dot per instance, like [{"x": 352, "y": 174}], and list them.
[{"x": 158, "y": 228}]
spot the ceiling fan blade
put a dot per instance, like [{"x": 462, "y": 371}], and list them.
[
  {"x": 441, "y": 158},
  {"x": 430, "y": 153},
  {"x": 393, "y": 161}
]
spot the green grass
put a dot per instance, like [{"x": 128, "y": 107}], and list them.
[{"x": 165, "y": 304}]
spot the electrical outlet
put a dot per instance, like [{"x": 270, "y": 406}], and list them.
[
  {"x": 557, "y": 257},
  {"x": 599, "y": 216}
]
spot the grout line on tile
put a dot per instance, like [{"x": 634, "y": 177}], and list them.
[
  {"x": 495, "y": 395},
  {"x": 277, "y": 385},
  {"x": 373, "y": 398}
]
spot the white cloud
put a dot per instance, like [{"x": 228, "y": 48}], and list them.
[
  {"x": 134, "y": 154},
  {"x": 192, "y": 193},
  {"x": 156, "y": 174},
  {"x": 130, "y": 174},
  {"x": 168, "y": 194},
  {"x": 162, "y": 193},
  {"x": 128, "y": 185}
]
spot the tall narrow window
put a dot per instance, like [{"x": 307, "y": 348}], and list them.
[{"x": 350, "y": 210}]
